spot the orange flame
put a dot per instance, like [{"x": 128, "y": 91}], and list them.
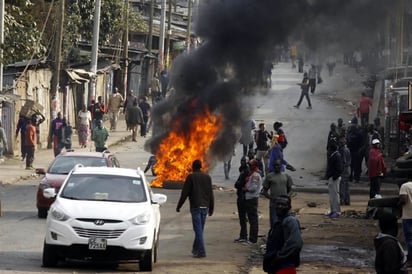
[{"x": 178, "y": 150}]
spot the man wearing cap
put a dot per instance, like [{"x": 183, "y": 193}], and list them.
[{"x": 376, "y": 168}]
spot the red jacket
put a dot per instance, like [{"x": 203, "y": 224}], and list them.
[
  {"x": 364, "y": 104},
  {"x": 376, "y": 164}
]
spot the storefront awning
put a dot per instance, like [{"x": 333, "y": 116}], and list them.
[{"x": 79, "y": 76}]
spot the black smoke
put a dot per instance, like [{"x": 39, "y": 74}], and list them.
[{"x": 238, "y": 39}]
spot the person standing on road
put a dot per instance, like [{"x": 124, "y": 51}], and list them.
[
  {"x": 198, "y": 188},
  {"x": 313, "y": 76},
  {"x": 30, "y": 143},
  {"x": 99, "y": 136},
  {"x": 262, "y": 139},
  {"x": 376, "y": 168},
  {"x": 365, "y": 103},
  {"x": 64, "y": 134},
  {"x": 389, "y": 255},
  {"x": 246, "y": 137},
  {"x": 135, "y": 118},
  {"x": 114, "y": 105},
  {"x": 333, "y": 175},
  {"x": 3, "y": 142},
  {"x": 130, "y": 98},
  {"x": 240, "y": 202},
  {"x": 21, "y": 127},
  {"x": 405, "y": 200},
  {"x": 99, "y": 109},
  {"x": 355, "y": 144},
  {"x": 56, "y": 124},
  {"x": 252, "y": 190},
  {"x": 284, "y": 241},
  {"x": 276, "y": 184},
  {"x": 304, "y": 86},
  {"x": 145, "y": 107},
  {"x": 84, "y": 121},
  {"x": 344, "y": 191}
]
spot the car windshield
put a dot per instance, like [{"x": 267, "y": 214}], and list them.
[
  {"x": 96, "y": 187},
  {"x": 63, "y": 165}
]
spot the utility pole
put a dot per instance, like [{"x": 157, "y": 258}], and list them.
[
  {"x": 150, "y": 34},
  {"x": 169, "y": 33},
  {"x": 1, "y": 41},
  {"x": 95, "y": 48},
  {"x": 189, "y": 24},
  {"x": 55, "y": 85},
  {"x": 162, "y": 35},
  {"x": 126, "y": 47}
]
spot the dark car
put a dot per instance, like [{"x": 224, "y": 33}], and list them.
[{"x": 60, "y": 168}]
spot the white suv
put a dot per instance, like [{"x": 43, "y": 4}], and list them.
[{"x": 103, "y": 214}]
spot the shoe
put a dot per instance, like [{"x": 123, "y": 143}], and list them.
[
  {"x": 239, "y": 240},
  {"x": 199, "y": 255},
  {"x": 248, "y": 243},
  {"x": 309, "y": 107},
  {"x": 334, "y": 215},
  {"x": 29, "y": 168},
  {"x": 134, "y": 140},
  {"x": 296, "y": 106}
]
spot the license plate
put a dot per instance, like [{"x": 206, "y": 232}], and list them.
[{"x": 97, "y": 244}]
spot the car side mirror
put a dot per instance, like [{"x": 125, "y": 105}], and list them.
[
  {"x": 40, "y": 171},
  {"x": 159, "y": 198},
  {"x": 49, "y": 192}
]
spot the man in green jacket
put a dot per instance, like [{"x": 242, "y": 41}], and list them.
[{"x": 100, "y": 135}]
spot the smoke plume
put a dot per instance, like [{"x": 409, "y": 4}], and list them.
[{"x": 238, "y": 40}]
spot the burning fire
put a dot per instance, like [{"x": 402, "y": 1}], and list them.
[{"x": 178, "y": 150}]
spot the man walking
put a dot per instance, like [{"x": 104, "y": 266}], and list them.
[
  {"x": 276, "y": 184},
  {"x": 304, "y": 86},
  {"x": 56, "y": 124},
  {"x": 198, "y": 188},
  {"x": 262, "y": 139},
  {"x": 135, "y": 118},
  {"x": 115, "y": 102},
  {"x": 30, "y": 143},
  {"x": 365, "y": 103},
  {"x": 284, "y": 242},
  {"x": 240, "y": 202},
  {"x": 99, "y": 136}
]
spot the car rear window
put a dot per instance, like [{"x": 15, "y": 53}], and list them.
[
  {"x": 97, "y": 187},
  {"x": 63, "y": 165}
]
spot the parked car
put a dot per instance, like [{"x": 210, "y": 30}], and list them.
[
  {"x": 103, "y": 214},
  {"x": 61, "y": 166}
]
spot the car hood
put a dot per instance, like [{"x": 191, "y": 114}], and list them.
[
  {"x": 55, "y": 180},
  {"x": 103, "y": 210}
]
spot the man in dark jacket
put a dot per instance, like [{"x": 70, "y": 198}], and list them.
[
  {"x": 198, "y": 187},
  {"x": 241, "y": 206},
  {"x": 390, "y": 257},
  {"x": 135, "y": 118},
  {"x": 284, "y": 242},
  {"x": 355, "y": 144},
  {"x": 333, "y": 175}
]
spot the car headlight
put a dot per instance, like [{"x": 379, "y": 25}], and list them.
[
  {"x": 141, "y": 219},
  {"x": 58, "y": 215}
]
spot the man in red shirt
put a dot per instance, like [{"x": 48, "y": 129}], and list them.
[
  {"x": 376, "y": 168},
  {"x": 365, "y": 103}
]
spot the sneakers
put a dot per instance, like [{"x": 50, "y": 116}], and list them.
[
  {"x": 239, "y": 240},
  {"x": 29, "y": 168},
  {"x": 309, "y": 107},
  {"x": 333, "y": 215},
  {"x": 248, "y": 243},
  {"x": 296, "y": 106},
  {"x": 199, "y": 255}
]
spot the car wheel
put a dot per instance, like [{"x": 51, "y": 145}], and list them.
[
  {"x": 148, "y": 260},
  {"x": 42, "y": 213},
  {"x": 50, "y": 258}
]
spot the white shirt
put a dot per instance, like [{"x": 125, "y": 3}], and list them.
[
  {"x": 406, "y": 189},
  {"x": 85, "y": 117}
]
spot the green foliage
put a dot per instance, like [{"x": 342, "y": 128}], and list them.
[{"x": 21, "y": 33}]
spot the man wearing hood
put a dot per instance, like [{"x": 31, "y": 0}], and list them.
[{"x": 390, "y": 257}]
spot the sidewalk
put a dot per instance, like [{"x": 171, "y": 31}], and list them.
[{"x": 13, "y": 169}]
